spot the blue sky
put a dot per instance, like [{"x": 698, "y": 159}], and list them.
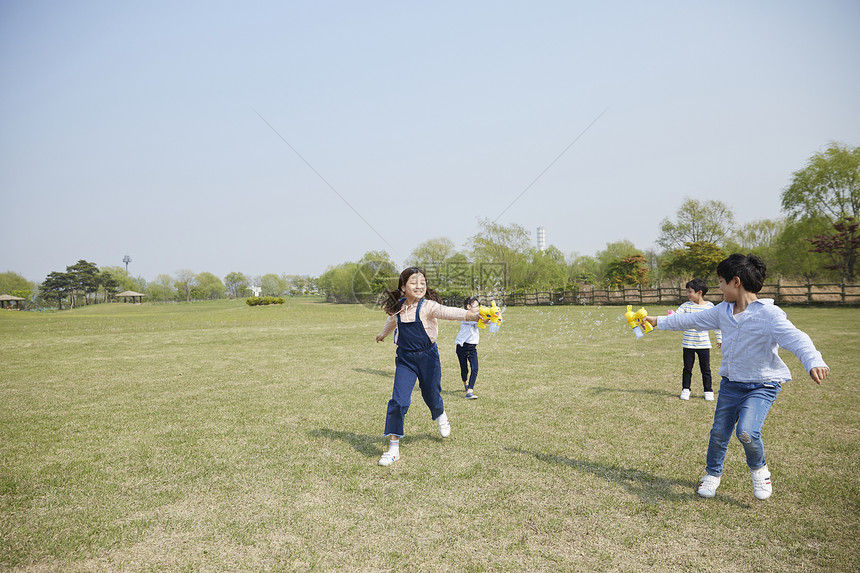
[{"x": 134, "y": 127}]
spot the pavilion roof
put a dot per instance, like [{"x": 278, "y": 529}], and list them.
[{"x": 130, "y": 293}]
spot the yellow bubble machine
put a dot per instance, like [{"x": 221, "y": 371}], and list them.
[
  {"x": 491, "y": 313},
  {"x": 637, "y": 321}
]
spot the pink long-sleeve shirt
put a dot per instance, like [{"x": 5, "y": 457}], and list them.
[{"x": 430, "y": 311}]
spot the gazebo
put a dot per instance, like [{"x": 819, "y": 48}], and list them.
[
  {"x": 6, "y": 301},
  {"x": 131, "y": 296}
]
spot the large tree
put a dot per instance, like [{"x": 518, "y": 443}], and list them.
[
  {"x": 610, "y": 258},
  {"x": 85, "y": 278},
  {"x": 236, "y": 284},
  {"x": 502, "y": 252},
  {"x": 548, "y": 269},
  {"x": 629, "y": 270},
  {"x": 432, "y": 252},
  {"x": 162, "y": 289},
  {"x": 209, "y": 286},
  {"x": 697, "y": 260},
  {"x": 708, "y": 221},
  {"x": 758, "y": 234},
  {"x": 273, "y": 285},
  {"x": 792, "y": 256},
  {"x": 57, "y": 284},
  {"x": 583, "y": 269},
  {"x": 829, "y": 187},
  {"x": 185, "y": 282}
]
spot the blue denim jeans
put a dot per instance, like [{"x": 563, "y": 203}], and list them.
[
  {"x": 745, "y": 405},
  {"x": 423, "y": 365}
]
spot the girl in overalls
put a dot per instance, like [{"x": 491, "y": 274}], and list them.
[{"x": 413, "y": 309}]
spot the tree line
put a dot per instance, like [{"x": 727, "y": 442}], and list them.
[{"x": 817, "y": 238}]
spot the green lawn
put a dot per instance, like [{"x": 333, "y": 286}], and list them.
[{"x": 220, "y": 437}]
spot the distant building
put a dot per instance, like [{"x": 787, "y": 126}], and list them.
[
  {"x": 255, "y": 290},
  {"x": 541, "y": 238}
]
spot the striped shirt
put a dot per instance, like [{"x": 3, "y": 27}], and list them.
[
  {"x": 430, "y": 311},
  {"x": 697, "y": 338}
]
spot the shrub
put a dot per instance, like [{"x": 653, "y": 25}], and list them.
[{"x": 263, "y": 300}]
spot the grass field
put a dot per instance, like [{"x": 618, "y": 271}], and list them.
[{"x": 220, "y": 437}]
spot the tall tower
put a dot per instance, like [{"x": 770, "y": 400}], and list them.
[
  {"x": 541, "y": 238},
  {"x": 126, "y": 259}
]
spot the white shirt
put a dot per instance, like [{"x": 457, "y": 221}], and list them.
[{"x": 468, "y": 333}]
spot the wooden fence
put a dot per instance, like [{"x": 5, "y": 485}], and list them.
[{"x": 783, "y": 293}]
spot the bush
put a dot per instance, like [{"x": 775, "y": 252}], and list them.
[{"x": 263, "y": 300}]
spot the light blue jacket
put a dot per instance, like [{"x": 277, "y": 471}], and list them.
[{"x": 751, "y": 340}]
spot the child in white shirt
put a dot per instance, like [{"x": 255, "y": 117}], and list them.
[{"x": 467, "y": 349}]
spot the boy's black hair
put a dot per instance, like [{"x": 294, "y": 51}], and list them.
[
  {"x": 749, "y": 268},
  {"x": 698, "y": 285},
  {"x": 469, "y": 300}
]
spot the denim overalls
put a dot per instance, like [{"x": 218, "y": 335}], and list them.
[{"x": 417, "y": 358}]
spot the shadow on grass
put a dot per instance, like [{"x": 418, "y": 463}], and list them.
[
  {"x": 603, "y": 390},
  {"x": 649, "y": 488},
  {"x": 383, "y": 373},
  {"x": 369, "y": 446}
]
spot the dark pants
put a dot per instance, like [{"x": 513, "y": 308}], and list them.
[
  {"x": 424, "y": 366},
  {"x": 467, "y": 354},
  {"x": 704, "y": 366}
]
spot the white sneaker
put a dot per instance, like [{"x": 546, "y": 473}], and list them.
[
  {"x": 685, "y": 394},
  {"x": 389, "y": 458},
  {"x": 471, "y": 395},
  {"x": 444, "y": 425},
  {"x": 708, "y": 486},
  {"x": 709, "y": 396},
  {"x": 762, "y": 487}
]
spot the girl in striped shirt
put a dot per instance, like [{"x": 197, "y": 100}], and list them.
[{"x": 697, "y": 342}]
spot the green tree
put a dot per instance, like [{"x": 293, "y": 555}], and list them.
[
  {"x": 697, "y": 260},
  {"x": 85, "y": 278},
  {"x": 708, "y": 221},
  {"x": 829, "y": 187},
  {"x": 161, "y": 289},
  {"x": 59, "y": 285},
  {"x": 300, "y": 285},
  {"x": 792, "y": 254},
  {"x": 108, "y": 283},
  {"x": 432, "y": 251},
  {"x": 125, "y": 280},
  {"x": 508, "y": 246},
  {"x": 375, "y": 273},
  {"x": 184, "y": 282},
  {"x": 16, "y": 285},
  {"x": 629, "y": 270},
  {"x": 236, "y": 284},
  {"x": 273, "y": 285},
  {"x": 209, "y": 286},
  {"x": 547, "y": 270},
  {"x": 337, "y": 283},
  {"x": 610, "y": 257},
  {"x": 583, "y": 269}
]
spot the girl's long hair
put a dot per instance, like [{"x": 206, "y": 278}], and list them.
[{"x": 391, "y": 299}]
